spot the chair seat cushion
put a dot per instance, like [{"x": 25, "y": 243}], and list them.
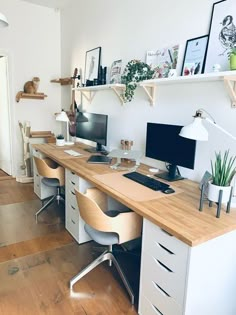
[
  {"x": 103, "y": 238},
  {"x": 51, "y": 182}
]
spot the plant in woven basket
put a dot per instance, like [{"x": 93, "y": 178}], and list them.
[{"x": 135, "y": 71}]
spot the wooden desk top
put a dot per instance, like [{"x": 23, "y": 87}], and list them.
[{"x": 177, "y": 214}]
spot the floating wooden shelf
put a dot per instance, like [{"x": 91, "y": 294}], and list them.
[
  {"x": 41, "y": 134},
  {"x": 89, "y": 91},
  {"x": 21, "y": 94},
  {"x": 62, "y": 81},
  {"x": 228, "y": 77}
]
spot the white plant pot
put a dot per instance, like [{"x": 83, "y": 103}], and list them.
[
  {"x": 60, "y": 142},
  {"x": 214, "y": 191}
]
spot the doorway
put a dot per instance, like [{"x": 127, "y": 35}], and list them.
[{"x": 5, "y": 118}]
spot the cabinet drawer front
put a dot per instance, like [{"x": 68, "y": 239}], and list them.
[
  {"x": 165, "y": 303},
  {"x": 171, "y": 282},
  {"x": 147, "y": 308},
  {"x": 153, "y": 232},
  {"x": 175, "y": 260},
  {"x": 71, "y": 197},
  {"x": 72, "y": 178},
  {"x": 72, "y": 212}
]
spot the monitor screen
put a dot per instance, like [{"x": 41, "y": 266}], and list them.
[
  {"x": 164, "y": 143},
  {"x": 94, "y": 129}
]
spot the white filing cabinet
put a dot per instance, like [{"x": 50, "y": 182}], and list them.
[
  {"x": 74, "y": 222},
  {"x": 40, "y": 189},
  {"x": 177, "y": 279}
]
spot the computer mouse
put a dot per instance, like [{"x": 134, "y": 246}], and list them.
[{"x": 168, "y": 191}]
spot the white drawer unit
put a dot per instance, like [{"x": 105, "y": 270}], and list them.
[
  {"x": 40, "y": 189},
  {"x": 163, "y": 272},
  {"x": 74, "y": 222}
]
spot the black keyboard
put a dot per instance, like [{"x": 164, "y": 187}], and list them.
[{"x": 146, "y": 181}]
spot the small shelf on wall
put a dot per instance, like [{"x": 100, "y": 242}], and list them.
[
  {"x": 90, "y": 91},
  {"x": 62, "y": 81},
  {"x": 228, "y": 77},
  {"x": 38, "y": 96}
]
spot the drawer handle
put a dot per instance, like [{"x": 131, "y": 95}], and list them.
[
  {"x": 73, "y": 193},
  {"x": 160, "y": 289},
  {"x": 73, "y": 221},
  {"x": 167, "y": 233},
  {"x": 72, "y": 182},
  {"x": 72, "y": 173},
  {"x": 72, "y": 207},
  {"x": 166, "y": 249},
  {"x": 164, "y": 266},
  {"x": 157, "y": 310}
]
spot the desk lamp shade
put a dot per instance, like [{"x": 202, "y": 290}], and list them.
[
  {"x": 195, "y": 130},
  {"x": 62, "y": 116},
  {"x": 3, "y": 20}
]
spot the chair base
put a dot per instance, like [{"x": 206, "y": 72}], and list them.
[
  {"x": 57, "y": 197},
  {"x": 107, "y": 255}
]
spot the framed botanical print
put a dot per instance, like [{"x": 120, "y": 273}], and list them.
[
  {"x": 222, "y": 35},
  {"x": 194, "y": 56}
]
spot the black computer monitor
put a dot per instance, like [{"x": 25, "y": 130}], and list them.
[
  {"x": 163, "y": 143},
  {"x": 94, "y": 129}
]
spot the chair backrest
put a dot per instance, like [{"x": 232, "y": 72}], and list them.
[
  {"x": 47, "y": 168},
  {"x": 127, "y": 225}
]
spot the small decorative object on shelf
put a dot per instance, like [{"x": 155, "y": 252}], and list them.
[
  {"x": 219, "y": 188},
  {"x": 60, "y": 140},
  {"x": 232, "y": 58},
  {"x": 135, "y": 71}
]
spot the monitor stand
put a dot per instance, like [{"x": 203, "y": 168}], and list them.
[
  {"x": 172, "y": 175},
  {"x": 97, "y": 149}
]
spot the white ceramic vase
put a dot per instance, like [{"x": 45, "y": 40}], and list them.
[
  {"x": 60, "y": 142},
  {"x": 214, "y": 191}
]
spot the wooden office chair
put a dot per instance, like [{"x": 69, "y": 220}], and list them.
[
  {"x": 53, "y": 176},
  {"x": 106, "y": 228}
]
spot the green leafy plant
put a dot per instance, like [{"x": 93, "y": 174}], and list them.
[
  {"x": 135, "y": 71},
  {"x": 223, "y": 169},
  {"x": 60, "y": 137}
]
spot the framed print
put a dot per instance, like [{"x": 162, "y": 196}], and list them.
[
  {"x": 222, "y": 35},
  {"x": 92, "y": 63},
  {"x": 194, "y": 56},
  {"x": 115, "y": 73}
]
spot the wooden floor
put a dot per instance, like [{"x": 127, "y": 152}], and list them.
[{"x": 38, "y": 260}]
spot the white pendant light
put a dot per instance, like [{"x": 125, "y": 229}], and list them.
[{"x": 3, "y": 20}]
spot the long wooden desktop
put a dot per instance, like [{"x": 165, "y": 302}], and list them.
[{"x": 188, "y": 263}]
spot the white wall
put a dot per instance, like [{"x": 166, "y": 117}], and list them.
[
  {"x": 32, "y": 42},
  {"x": 127, "y": 29}
]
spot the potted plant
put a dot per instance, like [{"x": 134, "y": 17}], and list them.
[
  {"x": 223, "y": 171},
  {"x": 232, "y": 58},
  {"x": 135, "y": 71},
  {"x": 60, "y": 140}
]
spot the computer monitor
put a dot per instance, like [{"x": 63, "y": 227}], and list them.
[
  {"x": 94, "y": 129},
  {"x": 163, "y": 143}
]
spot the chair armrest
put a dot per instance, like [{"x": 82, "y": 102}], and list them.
[{"x": 98, "y": 196}]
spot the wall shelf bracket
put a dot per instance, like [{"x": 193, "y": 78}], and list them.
[
  {"x": 118, "y": 91},
  {"x": 150, "y": 90},
  {"x": 89, "y": 95},
  {"x": 230, "y": 83}
]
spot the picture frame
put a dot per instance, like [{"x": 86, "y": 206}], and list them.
[
  {"x": 222, "y": 35},
  {"x": 195, "y": 56},
  {"x": 116, "y": 72},
  {"x": 92, "y": 64}
]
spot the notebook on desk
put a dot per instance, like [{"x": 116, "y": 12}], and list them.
[{"x": 99, "y": 159}]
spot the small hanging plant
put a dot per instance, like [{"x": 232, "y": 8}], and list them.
[{"x": 135, "y": 71}]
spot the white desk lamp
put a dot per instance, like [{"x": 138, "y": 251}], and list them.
[
  {"x": 3, "y": 20},
  {"x": 196, "y": 131},
  {"x": 63, "y": 117}
]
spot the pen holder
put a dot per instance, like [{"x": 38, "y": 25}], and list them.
[{"x": 126, "y": 146}]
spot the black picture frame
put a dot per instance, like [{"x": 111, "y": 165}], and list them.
[
  {"x": 222, "y": 35},
  {"x": 92, "y": 64},
  {"x": 194, "y": 56}
]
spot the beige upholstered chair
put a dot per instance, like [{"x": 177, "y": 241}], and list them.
[
  {"x": 53, "y": 176},
  {"x": 106, "y": 228}
]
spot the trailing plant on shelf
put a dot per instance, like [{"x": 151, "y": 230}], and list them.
[
  {"x": 223, "y": 169},
  {"x": 135, "y": 71}
]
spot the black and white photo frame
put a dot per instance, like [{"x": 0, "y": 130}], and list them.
[
  {"x": 92, "y": 64},
  {"x": 222, "y": 35}
]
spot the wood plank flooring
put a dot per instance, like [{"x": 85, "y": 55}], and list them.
[{"x": 38, "y": 260}]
